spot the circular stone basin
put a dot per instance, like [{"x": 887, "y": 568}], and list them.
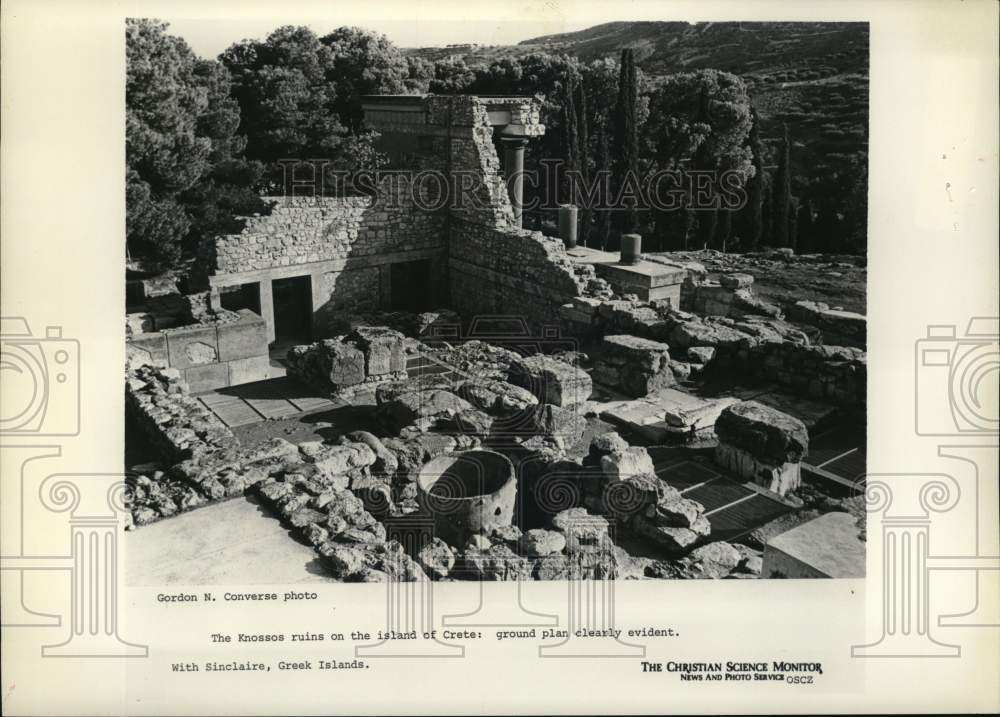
[{"x": 468, "y": 493}]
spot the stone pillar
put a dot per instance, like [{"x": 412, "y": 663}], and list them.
[
  {"x": 267, "y": 307},
  {"x": 567, "y": 224},
  {"x": 513, "y": 160}
]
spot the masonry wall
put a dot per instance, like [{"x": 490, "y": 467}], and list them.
[
  {"x": 345, "y": 245},
  {"x": 207, "y": 355},
  {"x": 495, "y": 267}
]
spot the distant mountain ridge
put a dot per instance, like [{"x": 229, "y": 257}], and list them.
[{"x": 744, "y": 48}]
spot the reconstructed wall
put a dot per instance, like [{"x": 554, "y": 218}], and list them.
[
  {"x": 207, "y": 355},
  {"x": 345, "y": 245},
  {"x": 494, "y": 266},
  {"x": 303, "y": 230}
]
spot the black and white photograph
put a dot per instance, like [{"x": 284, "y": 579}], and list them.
[
  {"x": 446, "y": 357},
  {"x": 587, "y": 305}
]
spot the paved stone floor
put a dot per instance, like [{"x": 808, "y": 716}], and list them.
[{"x": 235, "y": 542}]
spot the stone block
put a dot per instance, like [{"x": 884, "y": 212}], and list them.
[
  {"x": 643, "y": 279},
  {"x": 736, "y": 281},
  {"x": 638, "y": 366},
  {"x": 551, "y": 380},
  {"x": 826, "y": 547},
  {"x": 244, "y": 338},
  {"x": 632, "y": 461},
  {"x": 382, "y": 347},
  {"x": 330, "y": 365},
  {"x": 151, "y": 349},
  {"x": 764, "y": 432},
  {"x": 248, "y": 370},
  {"x": 207, "y": 377},
  {"x": 192, "y": 346}
]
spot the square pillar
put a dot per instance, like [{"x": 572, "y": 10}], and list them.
[{"x": 267, "y": 307}]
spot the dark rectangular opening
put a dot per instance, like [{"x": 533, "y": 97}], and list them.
[
  {"x": 410, "y": 286},
  {"x": 292, "y": 308},
  {"x": 241, "y": 296}
]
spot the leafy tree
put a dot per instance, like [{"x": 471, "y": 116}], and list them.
[
  {"x": 287, "y": 103},
  {"x": 362, "y": 63},
  {"x": 705, "y": 115},
  {"x": 699, "y": 121},
  {"x": 451, "y": 77},
  {"x": 419, "y": 72},
  {"x": 185, "y": 171}
]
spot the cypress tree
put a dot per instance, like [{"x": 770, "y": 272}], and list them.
[
  {"x": 583, "y": 156},
  {"x": 626, "y": 138},
  {"x": 767, "y": 213},
  {"x": 754, "y": 211},
  {"x": 724, "y": 228},
  {"x": 806, "y": 241},
  {"x": 603, "y": 168},
  {"x": 570, "y": 139},
  {"x": 782, "y": 198}
]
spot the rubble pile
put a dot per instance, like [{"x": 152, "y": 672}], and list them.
[
  {"x": 175, "y": 425},
  {"x": 731, "y": 296},
  {"x": 758, "y": 347}
]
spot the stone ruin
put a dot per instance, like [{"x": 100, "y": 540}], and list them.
[{"x": 564, "y": 431}]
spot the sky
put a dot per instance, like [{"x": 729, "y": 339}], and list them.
[{"x": 209, "y": 37}]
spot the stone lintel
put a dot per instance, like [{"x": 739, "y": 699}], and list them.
[{"x": 322, "y": 267}]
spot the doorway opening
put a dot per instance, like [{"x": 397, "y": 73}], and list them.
[
  {"x": 292, "y": 308},
  {"x": 410, "y": 286}
]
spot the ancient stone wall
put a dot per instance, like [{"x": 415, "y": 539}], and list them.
[
  {"x": 496, "y": 267},
  {"x": 209, "y": 354},
  {"x": 835, "y": 373},
  {"x": 301, "y": 230}
]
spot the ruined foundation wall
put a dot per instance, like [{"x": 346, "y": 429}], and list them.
[{"x": 510, "y": 271}]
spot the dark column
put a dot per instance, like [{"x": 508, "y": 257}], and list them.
[{"x": 513, "y": 160}]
